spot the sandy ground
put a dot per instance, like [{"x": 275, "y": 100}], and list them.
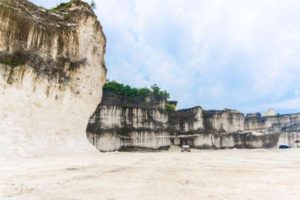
[{"x": 222, "y": 174}]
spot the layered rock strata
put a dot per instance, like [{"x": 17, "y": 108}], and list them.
[
  {"x": 117, "y": 126},
  {"x": 51, "y": 73},
  {"x": 125, "y": 126}
]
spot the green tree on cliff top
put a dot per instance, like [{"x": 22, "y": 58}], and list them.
[{"x": 126, "y": 90}]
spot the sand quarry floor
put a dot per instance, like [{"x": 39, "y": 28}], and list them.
[{"x": 219, "y": 174}]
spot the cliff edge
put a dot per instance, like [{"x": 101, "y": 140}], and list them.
[
  {"x": 119, "y": 126},
  {"x": 52, "y": 70}
]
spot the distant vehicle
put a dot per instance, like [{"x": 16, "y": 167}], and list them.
[
  {"x": 185, "y": 148},
  {"x": 284, "y": 146}
]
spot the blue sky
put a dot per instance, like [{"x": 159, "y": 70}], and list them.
[{"x": 241, "y": 54}]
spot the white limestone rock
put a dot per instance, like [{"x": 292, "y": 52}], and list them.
[{"x": 51, "y": 75}]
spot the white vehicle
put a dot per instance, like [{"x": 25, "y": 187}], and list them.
[{"x": 185, "y": 148}]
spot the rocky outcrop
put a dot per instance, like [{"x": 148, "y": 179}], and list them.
[
  {"x": 139, "y": 126},
  {"x": 218, "y": 129},
  {"x": 286, "y": 127},
  {"x": 118, "y": 126},
  {"x": 226, "y": 121},
  {"x": 51, "y": 74},
  {"x": 278, "y": 123}
]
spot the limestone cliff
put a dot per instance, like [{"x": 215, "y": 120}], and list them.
[
  {"x": 119, "y": 126},
  {"x": 115, "y": 126},
  {"x": 279, "y": 123},
  {"x": 287, "y": 127},
  {"x": 51, "y": 73}
]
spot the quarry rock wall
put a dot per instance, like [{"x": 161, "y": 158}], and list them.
[
  {"x": 227, "y": 121},
  {"x": 280, "y": 123},
  {"x": 128, "y": 128},
  {"x": 51, "y": 73},
  {"x": 123, "y": 128}
]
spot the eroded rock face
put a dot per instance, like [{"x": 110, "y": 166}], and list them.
[
  {"x": 279, "y": 123},
  {"x": 287, "y": 127},
  {"x": 51, "y": 76},
  {"x": 114, "y": 128},
  {"x": 117, "y": 126},
  {"x": 227, "y": 121}
]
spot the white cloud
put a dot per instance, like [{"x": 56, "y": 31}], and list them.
[
  {"x": 47, "y": 4},
  {"x": 216, "y": 53}
]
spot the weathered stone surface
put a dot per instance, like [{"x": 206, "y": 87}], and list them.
[
  {"x": 279, "y": 123},
  {"x": 51, "y": 74},
  {"x": 226, "y": 121},
  {"x": 119, "y": 127}
]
